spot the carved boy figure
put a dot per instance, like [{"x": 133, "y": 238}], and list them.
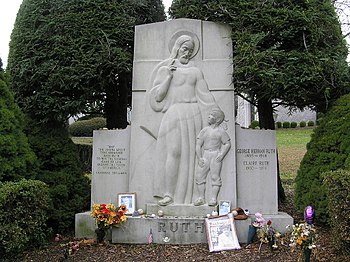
[{"x": 213, "y": 143}]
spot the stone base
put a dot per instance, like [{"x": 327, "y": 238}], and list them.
[
  {"x": 181, "y": 210},
  {"x": 180, "y": 230},
  {"x": 184, "y": 230},
  {"x": 84, "y": 225}
]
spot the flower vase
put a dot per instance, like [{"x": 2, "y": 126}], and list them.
[
  {"x": 307, "y": 254},
  {"x": 100, "y": 235},
  {"x": 271, "y": 243},
  {"x": 251, "y": 234}
]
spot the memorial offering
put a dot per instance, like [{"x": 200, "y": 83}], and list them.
[
  {"x": 221, "y": 233},
  {"x": 107, "y": 216}
]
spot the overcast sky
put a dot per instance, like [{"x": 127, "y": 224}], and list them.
[{"x": 8, "y": 12}]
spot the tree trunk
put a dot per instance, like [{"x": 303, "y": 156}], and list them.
[
  {"x": 116, "y": 103},
  {"x": 266, "y": 121},
  {"x": 265, "y": 112}
]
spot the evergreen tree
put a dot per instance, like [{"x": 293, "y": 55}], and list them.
[
  {"x": 61, "y": 169},
  {"x": 328, "y": 150},
  {"x": 289, "y": 53},
  {"x": 70, "y": 57},
  {"x": 17, "y": 160}
]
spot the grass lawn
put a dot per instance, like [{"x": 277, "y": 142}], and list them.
[{"x": 291, "y": 145}]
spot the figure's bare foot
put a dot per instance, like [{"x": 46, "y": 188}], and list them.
[
  {"x": 165, "y": 201},
  {"x": 199, "y": 202},
  {"x": 212, "y": 202}
]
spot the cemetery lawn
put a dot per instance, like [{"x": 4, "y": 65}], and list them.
[
  {"x": 291, "y": 145},
  {"x": 291, "y": 148}
]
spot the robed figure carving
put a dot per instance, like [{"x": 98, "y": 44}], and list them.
[{"x": 179, "y": 101}]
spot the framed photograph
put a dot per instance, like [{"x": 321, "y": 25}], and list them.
[
  {"x": 224, "y": 207},
  {"x": 128, "y": 199},
  {"x": 221, "y": 233}
]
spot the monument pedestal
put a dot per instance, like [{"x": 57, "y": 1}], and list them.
[{"x": 184, "y": 230}]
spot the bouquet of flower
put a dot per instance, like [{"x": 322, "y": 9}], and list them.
[
  {"x": 107, "y": 216},
  {"x": 259, "y": 220},
  {"x": 267, "y": 234},
  {"x": 303, "y": 236}
]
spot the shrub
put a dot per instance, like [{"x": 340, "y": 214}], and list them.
[
  {"x": 61, "y": 169},
  {"x": 286, "y": 124},
  {"x": 254, "y": 124},
  {"x": 310, "y": 123},
  {"x": 17, "y": 160},
  {"x": 337, "y": 184},
  {"x": 293, "y": 124},
  {"x": 279, "y": 124},
  {"x": 302, "y": 124},
  {"x": 86, "y": 127},
  {"x": 23, "y": 216},
  {"x": 328, "y": 150}
]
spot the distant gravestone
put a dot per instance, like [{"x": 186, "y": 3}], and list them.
[
  {"x": 110, "y": 165},
  {"x": 257, "y": 170}
]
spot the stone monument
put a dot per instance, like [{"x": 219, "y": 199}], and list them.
[
  {"x": 184, "y": 140},
  {"x": 188, "y": 70}
]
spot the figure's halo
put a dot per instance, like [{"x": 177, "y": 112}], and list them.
[{"x": 177, "y": 34}]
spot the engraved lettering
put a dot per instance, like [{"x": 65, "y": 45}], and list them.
[
  {"x": 172, "y": 229},
  {"x": 161, "y": 227},
  {"x": 199, "y": 226},
  {"x": 185, "y": 227}
]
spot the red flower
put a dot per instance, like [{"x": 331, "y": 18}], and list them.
[
  {"x": 120, "y": 213},
  {"x": 106, "y": 211},
  {"x": 269, "y": 222},
  {"x": 103, "y": 205}
]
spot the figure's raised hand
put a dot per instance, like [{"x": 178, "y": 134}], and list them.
[{"x": 172, "y": 67}]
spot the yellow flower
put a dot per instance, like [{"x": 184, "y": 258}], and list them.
[
  {"x": 110, "y": 221},
  {"x": 123, "y": 218},
  {"x": 299, "y": 241},
  {"x": 110, "y": 206}
]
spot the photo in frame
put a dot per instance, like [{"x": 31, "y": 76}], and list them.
[
  {"x": 129, "y": 200},
  {"x": 224, "y": 207},
  {"x": 221, "y": 233}
]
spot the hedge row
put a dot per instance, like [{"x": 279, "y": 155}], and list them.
[
  {"x": 294, "y": 124},
  {"x": 255, "y": 124},
  {"x": 24, "y": 213},
  {"x": 84, "y": 128}
]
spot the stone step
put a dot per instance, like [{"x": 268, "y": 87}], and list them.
[{"x": 182, "y": 210}]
